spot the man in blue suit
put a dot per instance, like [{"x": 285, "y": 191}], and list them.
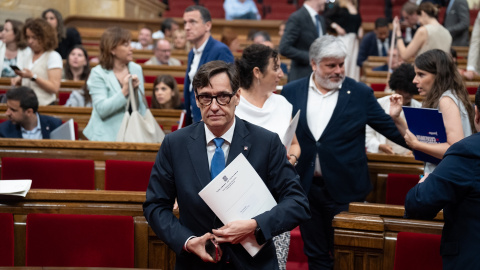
[
  {"x": 331, "y": 131},
  {"x": 197, "y": 24},
  {"x": 375, "y": 43},
  {"x": 186, "y": 163},
  {"x": 454, "y": 186},
  {"x": 24, "y": 121}
]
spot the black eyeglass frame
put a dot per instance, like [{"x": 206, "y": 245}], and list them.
[{"x": 216, "y": 98}]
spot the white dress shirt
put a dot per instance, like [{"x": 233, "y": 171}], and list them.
[
  {"x": 319, "y": 111},
  {"x": 380, "y": 44},
  {"x": 197, "y": 55}
]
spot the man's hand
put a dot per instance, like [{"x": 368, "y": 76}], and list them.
[
  {"x": 197, "y": 246},
  {"x": 469, "y": 74},
  {"x": 385, "y": 148},
  {"x": 236, "y": 231}
]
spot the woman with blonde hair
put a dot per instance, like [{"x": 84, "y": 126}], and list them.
[
  {"x": 108, "y": 85},
  {"x": 180, "y": 40},
  {"x": 431, "y": 35}
]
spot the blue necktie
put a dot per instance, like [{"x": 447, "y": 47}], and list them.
[
  {"x": 384, "y": 51},
  {"x": 317, "y": 19},
  {"x": 218, "y": 160}
]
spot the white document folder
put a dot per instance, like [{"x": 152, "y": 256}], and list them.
[{"x": 238, "y": 193}]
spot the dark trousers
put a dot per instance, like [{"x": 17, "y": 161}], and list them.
[{"x": 317, "y": 233}]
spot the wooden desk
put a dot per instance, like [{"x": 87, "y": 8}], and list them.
[
  {"x": 366, "y": 235},
  {"x": 150, "y": 252}
]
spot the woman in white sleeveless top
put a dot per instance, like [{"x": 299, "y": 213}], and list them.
[
  {"x": 260, "y": 72},
  {"x": 43, "y": 70},
  {"x": 13, "y": 49},
  {"x": 442, "y": 86},
  {"x": 431, "y": 35}
]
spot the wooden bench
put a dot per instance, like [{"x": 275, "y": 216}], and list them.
[
  {"x": 149, "y": 251},
  {"x": 365, "y": 236}
]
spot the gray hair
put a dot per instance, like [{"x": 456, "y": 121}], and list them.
[{"x": 327, "y": 47}]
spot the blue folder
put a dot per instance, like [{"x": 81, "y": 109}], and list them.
[{"x": 427, "y": 125}]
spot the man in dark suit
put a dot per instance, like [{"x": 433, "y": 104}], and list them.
[
  {"x": 181, "y": 170},
  {"x": 302, "y": 28},
  {"x": 197, "y": 24},
  {"x": 24, "y": 121},
  {"x": 375, "y": 43},
  {"x": 331, "y": 131},
  {"x": 457, "y": 21},
  {"x": 410, "y": 22},
  {"x": 455, "y": 183}
]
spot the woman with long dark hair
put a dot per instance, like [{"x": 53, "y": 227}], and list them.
[
  {"x": 438, "y": 80},
  {"x": 67, "y": 37},
  {"x": 165, "y": 93}
]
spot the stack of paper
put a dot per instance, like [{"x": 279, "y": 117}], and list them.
[{"x": 15, "y": 187}]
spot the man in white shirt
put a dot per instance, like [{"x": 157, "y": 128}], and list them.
[
  {"x": 144, "y": 40},
  {"x": 190, "y": 157},
  {"x": 241, "y": 9},
  {"x": 331, "y": 131},
  {"x": 163, "y": 51},
  {"x": 24, "y": 121},
  {"x": 197, "y": 25}
]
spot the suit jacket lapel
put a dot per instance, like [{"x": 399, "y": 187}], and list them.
[
  {"x": 308, "y": 20},
  {"x": 239, "y": 142},
  {"x": 302, "y": 97},
  {"x": 197, "y": 150},
  {"x": 206, "y": 52},
  {"x": 343, "y": 98}
]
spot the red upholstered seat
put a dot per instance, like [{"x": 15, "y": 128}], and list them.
[
  {"x": 417, "y": 251},
  {"x": 297, "y": 260},
  {"x": 51, "y": 173},
  {"x": 79, "y": 241},
  {"x": 63, "y": 97},
  {"x": 398, "y": 186},
  {"x": 127, "y": 175},
  {"x": 380, "y": 87},
  {"x": 6, "y": 239}
]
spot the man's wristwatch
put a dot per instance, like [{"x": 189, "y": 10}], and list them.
[
  {"x": 34, "y": 78},
  {"x": 259, "y": 235}
]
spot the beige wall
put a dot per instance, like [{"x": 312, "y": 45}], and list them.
[{"x": 23, "y": 9}]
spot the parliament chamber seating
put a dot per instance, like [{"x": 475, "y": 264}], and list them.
[
  {"x": 417, "y": 251},
  {"x": 398, "y": 186},
  {"x": 297, "y": 260},
  {"x": 66, "y": 240},
  {"x": 6, "y": 240},
  {"x": 51, "y": 173},
  {"x": 127, "y": 175}
]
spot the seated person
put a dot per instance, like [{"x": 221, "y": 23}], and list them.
[
  {"x": 144, "y": 40},
  {"x": 401, "y": 82},
  {"x": 375, "y": 43},
  {"x": 165, "y": 93},
  {"x": 163, "y": 51},
  {"x": 23, "y": 119},
  {"x": 167, "y": 28},
  {"x": 241, "y": 9}
]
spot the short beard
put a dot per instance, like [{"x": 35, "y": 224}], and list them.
[{"x": 329, "y": 85}]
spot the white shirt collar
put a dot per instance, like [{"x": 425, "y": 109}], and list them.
[
  {"x": 227, "y": 136},
  {"x": 201, "y": 48},
  {"x": 313, "y": 86},
  {"x": 310, "y": 10}
]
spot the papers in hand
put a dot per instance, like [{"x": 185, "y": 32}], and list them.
[
  {"x": 290, "y": 133},
  {"x": 238, "y": 193},
  {"x": 15, "y": 187},
  {"x": 427, "y": 125}
]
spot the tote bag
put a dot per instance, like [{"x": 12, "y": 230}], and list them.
[{"x": 136, "y": 127}]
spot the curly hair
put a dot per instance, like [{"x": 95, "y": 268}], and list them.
[
  {"x": 255, "y": 55},
  {"x": 61, "y": 30},
  {"x": 169, "y": 81},
  {"x": 111, "y": 38},
  {"x": 43, "y": 31},
  {"x": 447, "y": 77},
  {"x": 17, "y": 27},
  {"x": 402, "y": 79}
]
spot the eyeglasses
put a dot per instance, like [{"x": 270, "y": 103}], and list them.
[{"x": 222, "y": 99}]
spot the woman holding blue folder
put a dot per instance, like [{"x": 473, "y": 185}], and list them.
[{"x": 439, "y": 82}]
